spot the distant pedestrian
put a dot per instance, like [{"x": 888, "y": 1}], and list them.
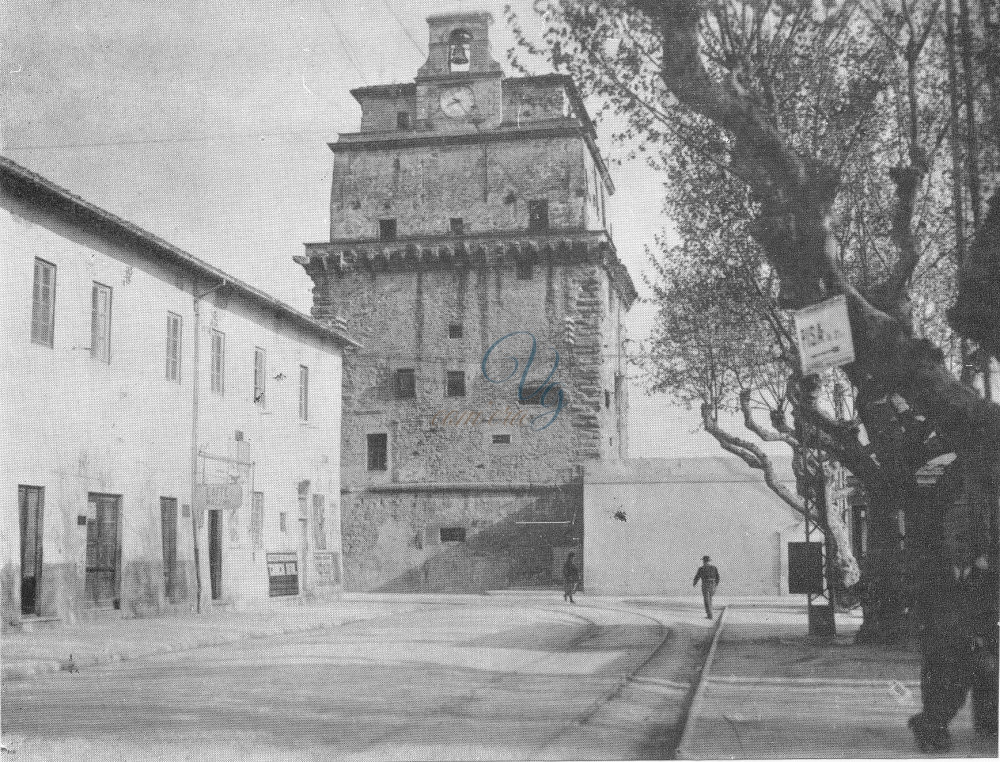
[
  {"x": 571, "y": 576},
  {"x": 709, "y": 577}
]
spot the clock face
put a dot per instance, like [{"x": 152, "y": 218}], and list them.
[{"x": 457, "y": 102}]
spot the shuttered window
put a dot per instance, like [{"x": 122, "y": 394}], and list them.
[
  {"x": 173, "y": 347},
  {"x": 100, "y": 323},
  {"x": 218, "y": 362},
  {"x": 43, "y": 303}
]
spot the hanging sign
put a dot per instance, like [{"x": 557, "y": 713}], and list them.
[{"x": 824, "y": 335}]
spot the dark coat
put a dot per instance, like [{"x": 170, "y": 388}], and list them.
[{"x": 707, "y": 573}]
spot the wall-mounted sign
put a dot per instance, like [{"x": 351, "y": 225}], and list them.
[
  {"x": 283, "y": 573},
  {"x": 824, "y": 335}
]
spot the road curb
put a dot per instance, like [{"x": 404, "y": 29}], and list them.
[
  {"x": 699, "y": 691},
  {"x": 28, "y": 668}
]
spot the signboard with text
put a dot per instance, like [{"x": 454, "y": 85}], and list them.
[{"x": 824, "y": 335}]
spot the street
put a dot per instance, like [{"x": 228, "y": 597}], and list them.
[{"x": 515, "y": 678}]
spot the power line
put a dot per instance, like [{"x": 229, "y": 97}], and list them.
[
  {"x": 197, "y": 139},
  {"x": 343, "y": 42},
  {"x": 403, "y": 27}
]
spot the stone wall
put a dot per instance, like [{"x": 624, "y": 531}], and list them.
[{"x": 487, "y": 186}]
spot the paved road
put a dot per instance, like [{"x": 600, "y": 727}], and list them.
[{"x": 492, "y": 680}]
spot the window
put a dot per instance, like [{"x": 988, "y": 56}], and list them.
[
  {"x": 378, "y": 452},
  {"x": 259, "y": 366},
  {"x": 538, "y": 215},
  {"x": 282, "y": 521},
  {"x": 524, "y": 269},
  {"x": 457, "y": 226},
  {"x": 257, "y": 520},
  {"x": 607, "y": 398},
  {"x": 452, "y": 534},
  {"x": 402, "y": 120},
  {"x": 173, "y": 347},
  {"x": 43, "y": 303},
  {"x": 456, "y": 384},
  {"x": 501, "y": 439},
  {"x": 218, "y": 362},
  {"x": 455, "y": 331},
  {"x": 406, "y": 383},
  {"x": 534, "y": 391},
  {"x": 100, "y": 323},
  {"x": 387, "y": 230},
  {"x": 304, "y": 392}
]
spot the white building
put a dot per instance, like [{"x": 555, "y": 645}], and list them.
[
  {"x": 650, "y": 520},
  {"x": 141, "y": 381}
]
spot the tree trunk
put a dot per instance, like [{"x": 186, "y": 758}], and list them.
[{"x": 882, "y": 597}]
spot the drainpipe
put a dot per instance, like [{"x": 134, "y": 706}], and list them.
[{"x": 194, "y": 433}]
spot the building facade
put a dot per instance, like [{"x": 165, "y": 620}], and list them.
[
  {"x": 468, "y": 253},
  {"x": 650, "y": 520},
  {"x": 174, "y": 436}
]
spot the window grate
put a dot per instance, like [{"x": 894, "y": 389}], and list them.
[
  {"x": 452, "y": 534},
  {"x": 406, "y": 383},
  {"x": 378, "y": 452},
  {"x": 455, "y": 384}
]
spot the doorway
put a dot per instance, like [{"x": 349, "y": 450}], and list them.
[
  {"x": 168, "y": 530},
  {"x": 215, "y": 552},
  {"x": 103, "y": 554},
  {"x": 31, "y": 502}
]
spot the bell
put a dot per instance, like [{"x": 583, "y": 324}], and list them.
[{"x": 458, "y": 56}]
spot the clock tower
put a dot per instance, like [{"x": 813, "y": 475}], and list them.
[
  {"x": 467, "y": 221},
  {"x": 460, "y": 84}
]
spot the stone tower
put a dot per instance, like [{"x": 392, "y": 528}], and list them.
[{"x": 468, "y": 253}]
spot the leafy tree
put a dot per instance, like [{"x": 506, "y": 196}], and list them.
[{"x": 804, "y": 145}]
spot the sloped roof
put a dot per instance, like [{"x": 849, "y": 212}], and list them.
[{"x": 32, "y": 187}]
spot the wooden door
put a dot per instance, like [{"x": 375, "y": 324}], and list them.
[
  {"x": 30, "y": 502},
  {"x": 103, "y": 556},
  {"x": 215, "y": 552},
  {"x": 168, "y": 529}
]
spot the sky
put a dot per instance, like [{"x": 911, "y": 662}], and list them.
[{"x": 207, "y": 123}]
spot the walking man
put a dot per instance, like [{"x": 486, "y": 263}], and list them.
[
  {"x": 709, "y": 577},
  {"x": 571, "y": 575}
]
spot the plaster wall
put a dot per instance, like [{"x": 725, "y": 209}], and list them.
[
  {"x": 82, "y": 426},
  {"x": 675, "y": 512}
]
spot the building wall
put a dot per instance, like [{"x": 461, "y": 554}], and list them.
[
  {"x": 403, "y": 320},
  {"x": 488, "y": 186},
  {"x": 675, "y": 512},
  {"x": 82, "y": 426},
  {"x": 519, "y": 502}
]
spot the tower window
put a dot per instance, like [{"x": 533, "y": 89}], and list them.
[
  {"x": 378, "y": 452},
  {"x": 452, "y": 534},
  {"x": 455, "y": 331},
  {"x": 402, "y": 120},
  {"x": 406, "y": 383},
  {"x": 459, "y": 50},
  {"x": 457, "y": 226},
  {"x": 607, "y": 398},
  {"x": 456, "y": 384},
  {"x": 524, "y": 269},
  {"x": 387, "y": 230},
  {"x": 538, "y": 214}
]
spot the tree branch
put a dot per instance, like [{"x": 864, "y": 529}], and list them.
[
  {"x": 768, "y": 435},
  {"x": 756, "y": 458}
]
